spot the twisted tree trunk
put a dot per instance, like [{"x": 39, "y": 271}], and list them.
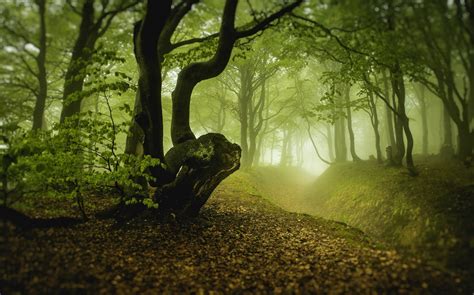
[{"x": 199, "y": 165}]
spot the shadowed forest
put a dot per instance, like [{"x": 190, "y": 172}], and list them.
[{"x": 236, "y": 147}]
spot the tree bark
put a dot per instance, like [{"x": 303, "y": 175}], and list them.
[
  {"x": 403, "y": 125},
  {"x": 354, "y": 155},
  {"x": 92, "y": 27},
  {"x": 256, "y": 121},
  {"x": 38, "y": 112},
  {"x": 245, "y": 98},
  {"x": 80, "y": 58},
  {"x": 447, "y": 149},
  {"x": 199, "y": 166},
  {"x": 330, "y": 141},
  {"x": 399, "y": 152},
  {"x": 340, "y": 136},
  {"x": 147, "y": 33},
  {"x": 424, "y": 121},
  {"x": 389, "y": 115},
  {"x": 374, "y": 118},
  {"x": 135, "y": 136},
  {"x": 195, "y": 166},
  {"x": 194, "y": 73}
]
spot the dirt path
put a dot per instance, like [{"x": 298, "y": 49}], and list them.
[{"x": 241, "y": 244}]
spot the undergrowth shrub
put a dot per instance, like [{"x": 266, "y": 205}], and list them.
[{"x": 78, "y": 158}]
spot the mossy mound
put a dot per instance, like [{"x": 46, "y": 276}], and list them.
[{"x": 431, "y": 215}]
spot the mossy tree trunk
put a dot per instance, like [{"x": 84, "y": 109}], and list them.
[{"x": 199, "y": 165}]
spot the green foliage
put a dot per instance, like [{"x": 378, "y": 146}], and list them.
[
  {"x": 103, "y": 77},
  {"x": 76, "y": 159}
]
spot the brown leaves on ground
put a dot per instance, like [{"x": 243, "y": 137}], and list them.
[{"x": 240, "y": 244}]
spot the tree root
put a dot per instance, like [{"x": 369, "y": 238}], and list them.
[{"x": 25, "y": 222}]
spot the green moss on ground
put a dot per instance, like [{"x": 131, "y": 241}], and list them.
[{"x": 430, "y": 215}]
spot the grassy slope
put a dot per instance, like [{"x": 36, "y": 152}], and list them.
[
  {"x": 431, "y": 215},
  {"x": 284, "y": 188}
]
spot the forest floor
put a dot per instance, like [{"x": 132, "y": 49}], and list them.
[{"x": 241, "y": 243}]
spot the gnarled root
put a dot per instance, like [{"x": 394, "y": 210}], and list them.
[{"x": 199, "y": 165}]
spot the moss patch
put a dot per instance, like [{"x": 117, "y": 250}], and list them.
[{"x": 430, "y": 215}]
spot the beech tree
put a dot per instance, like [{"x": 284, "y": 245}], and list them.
[
  {"x": 93, "y": 25},
  {"x": 29, "y": 52},
  {"x": 193, "y": 167},
  {"x": 447, "y": 39}
]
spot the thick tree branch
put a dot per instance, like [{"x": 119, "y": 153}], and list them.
[{"x": 262, "y": 25}]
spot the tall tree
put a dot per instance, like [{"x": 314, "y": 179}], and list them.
[
  {"x": 440, "y": 26},
  {"x": 194, "y": 166},
  {"x": 347, "y": 98},
  {"x": 94, "y": 24},
  {"x": 38, "y": 113},
  {"x": 29, "y": 53},
  {"x": 420, "y": 93}
]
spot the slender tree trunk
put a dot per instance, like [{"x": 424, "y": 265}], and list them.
[
  {"x": 399, "y": 151},
  {"x": 313, "y": 142},
  {"x": 134, "y": 141},
  {"x": 398, "y": 89},
  {"x": 389, "y": 115},
  {"x": 424, "y": 120},
  {"x": 252, "y": 148},
  {"x": 80, "y": 59},
  {"x": 465, "y": 142},
  {"x": 377, "y": 142},
  {"x": 398, "y": 85},
  {"x": 410, "y": 144},
  {"x": 38, "y": 113},
  {"x": 221, "y": 118},
  {"x": 375, "y": 125},
  {"x": 244, "y": 125},
  {"x": 340, "y": 139},
  {"x": 330, "y": 141},
  {"x": 448, "y": 130},
  {"x": 259, "y": 151},
  {"x": 256, "y": 122},
  {"x": 354, "y": 155},
  {"x": 459, "y": 115},
  {"x": 284, "y": 148}
]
